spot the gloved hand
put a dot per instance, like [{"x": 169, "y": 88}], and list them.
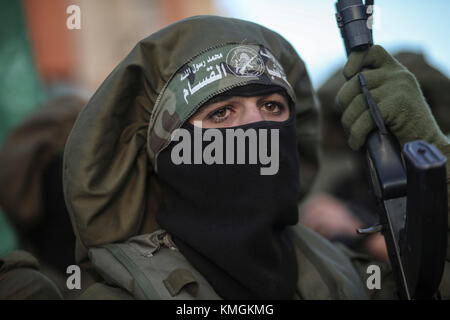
[{"x": 397, "y": 94}]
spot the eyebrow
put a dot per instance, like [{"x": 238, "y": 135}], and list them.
[
  {"x": 283, "y": 98},
  {"x": 216, "y": 99},
  {"x": 221, "y": 98}
]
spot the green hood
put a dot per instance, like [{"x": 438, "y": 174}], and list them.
[{"x": 110, "y": 184}]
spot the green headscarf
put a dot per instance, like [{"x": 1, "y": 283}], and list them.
[{"x": 109, "y": 182}]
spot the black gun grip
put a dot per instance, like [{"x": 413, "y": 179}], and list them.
[{"x": 386, "y": 166}]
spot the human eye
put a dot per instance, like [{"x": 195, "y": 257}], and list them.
[
  {"x": 219, "y": 115},
  {"x": 273, "y": 107}
]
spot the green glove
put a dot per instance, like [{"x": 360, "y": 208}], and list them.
[{"x": 397, "y": 94}]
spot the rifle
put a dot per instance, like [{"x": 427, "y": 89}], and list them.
[{"x": 410, "y": 186}]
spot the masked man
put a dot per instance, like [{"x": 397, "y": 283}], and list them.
[{"x": 166, "y": 204}]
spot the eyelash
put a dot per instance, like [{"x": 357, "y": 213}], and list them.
[
  {"x": 280, "y": 106},
  {"x": 211, "y": 116}
]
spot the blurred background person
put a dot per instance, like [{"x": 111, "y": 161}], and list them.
[
  {"x": 31, "y": 170},
  {"x": 49, "y": 72}
]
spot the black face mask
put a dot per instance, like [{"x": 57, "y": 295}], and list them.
[{"x": 229, "y": 221}]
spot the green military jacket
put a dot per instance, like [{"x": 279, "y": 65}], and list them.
[{"x": 150, "y": 267}]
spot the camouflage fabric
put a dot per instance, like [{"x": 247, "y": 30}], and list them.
[
  {"x": 110, "y": 187},
  {"x": 207, "y": 75}
]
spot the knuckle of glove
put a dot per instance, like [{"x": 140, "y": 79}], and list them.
[
  {"x": 375, "y": 58},
  {"x": 354, "y": 110},
  {"x": 402, "y": 94},
  {"x": 346, "y": 94},
  {"x": 354, "y": 142},
  {"x": 346, "y": 126},
  {"x": 353, "y": 64},
  {"x": 340, "y": 106},
  {"x": 360, "y": 129},
  {"x": 404, "y": 109},
  {"x": 408, "y": 79}
]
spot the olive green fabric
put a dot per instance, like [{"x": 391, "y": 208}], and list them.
[
  {"x": 397, "y": 94},
  {"x": 18, "y": 259},
  {"x": 325, "y": 272},
  {"x": 20, "y": 279},
  {"x": 144, "y": 265},
  {"x": 110, "y": 187}
]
